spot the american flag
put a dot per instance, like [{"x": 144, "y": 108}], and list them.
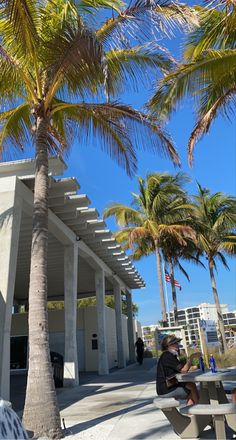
[{"x": 168, "y": 280}]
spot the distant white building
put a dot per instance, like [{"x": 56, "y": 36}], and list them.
[
  {"x": 188, "y": 317},
  {"x": 148, "y": 336}
]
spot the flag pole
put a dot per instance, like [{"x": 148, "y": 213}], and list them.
[{"x": 166, "y": 293}]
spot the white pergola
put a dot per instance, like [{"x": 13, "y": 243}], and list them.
[{"x": 83, "y": 260}]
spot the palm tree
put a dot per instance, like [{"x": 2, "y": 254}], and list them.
[
  {"x": 175, "y": 249},
  {"x": 154, "y": 213},
  {"x": 54, "y": 68},
  {"x": 208, "y": 72},
  {"x": 214, "y": 222}
]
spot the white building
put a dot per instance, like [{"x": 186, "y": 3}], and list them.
[
  {"x": 188, "y": 317},
  {"x": 148, "y": 336},
  {"x": 83, "y": 260}
]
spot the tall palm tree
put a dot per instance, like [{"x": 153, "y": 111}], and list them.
[
  {"x": 154, "y": 213},
  {"x": 214, "y": 222},
  {"x": 54, "y": 68},
  {"x": 208, "y": 72}
]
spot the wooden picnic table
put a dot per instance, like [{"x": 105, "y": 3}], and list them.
[{"x": 212, "y": 392}]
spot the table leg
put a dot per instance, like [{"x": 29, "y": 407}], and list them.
[
  {"x": 216, "y": 393},
  {"x": 203, "y": 420},
  {"x": 230, "y": 418},
  {"x": 203, "y": 394},
  {"x": 222, "y": 398},
  {"x": 219, "y": 423},
  {"x": 213, "y": 393}
]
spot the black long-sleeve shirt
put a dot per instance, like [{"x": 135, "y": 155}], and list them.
[{"x": 168, "y": 365}]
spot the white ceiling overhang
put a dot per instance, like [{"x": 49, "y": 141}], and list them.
[{"x": 74, "y": 211}]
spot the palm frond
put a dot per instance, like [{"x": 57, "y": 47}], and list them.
[
  {"x": 14, "y": 128},
  {"x": 132, "y": 66},
  {"x": 144, "y": 20},
  {"x": 190, "y": 79},
  {"x": 228, "y": 245},
  {"x": 137, "y": 235},
  {"x": 92, "y": 5},
  {"x": 119, "y": 124},
  {"x": 181, "y": 268},
  {"x": 223, "y": 260},
  {"x": 122, "y": 235},
  {"x": 214, "y": 220},
  {"x": 140, "y": 252},
  {"x": 204, "y": 123},
  {"x": 13, "y": 73},
  {"x": 21, "y": 27},
  {"x": 75, "y": 61},
  {"x": 180, "y": 233},
  {"x": 123, "y": 214},
  {"x": 216, "y": 29}
]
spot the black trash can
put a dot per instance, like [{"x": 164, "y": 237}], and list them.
[{"x": 57, "y": 366}]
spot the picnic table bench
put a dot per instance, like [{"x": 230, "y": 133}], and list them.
[
  {"x": 186, "y": 425},
  {"x": 213, "y": 407},
  {"x": 218, "y": 413}
]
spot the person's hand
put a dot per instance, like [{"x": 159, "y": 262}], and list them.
[
  {"x": 193, "y": 368},
  {"x": 196, "y": 355}
]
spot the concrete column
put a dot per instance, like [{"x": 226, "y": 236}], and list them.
[
  {"x": 71, "y": 373},
  {"x": 130, "y": 327},
  {"x": 10, "y": 219},
  {"x": 119, "y": 327},
  {"x": 101, "y": 322}
]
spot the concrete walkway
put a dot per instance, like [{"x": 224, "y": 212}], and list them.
[{"x": 118, "y": 406}]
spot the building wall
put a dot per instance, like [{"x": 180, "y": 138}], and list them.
[
  {"x": 111, "y": 337},
  {"x": 90, "y": 334},
  {"x": 137, "y": 329},
  {"x": 86, "y": 335},
  {"x": 230, "y": 318},
  {"x": 125, "y": 336},
  {"x": 56, "y": 323},
  {"x": 91, "y": 356}
]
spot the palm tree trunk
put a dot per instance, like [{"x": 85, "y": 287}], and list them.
[
  {"x": 160, "y": 282},
  {"x": 174, "y": 296},
  {"x": 217, "y": 303},
  {"x": 41, "y": 413}
]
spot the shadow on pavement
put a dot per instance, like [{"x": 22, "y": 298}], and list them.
[
  {"x": 90, "y": 423},
  {"x": 134, "y": 373}
]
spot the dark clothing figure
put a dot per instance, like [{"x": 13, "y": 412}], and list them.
[
  {"x": 139, "y": 350},
  {"x": 167, "y": 369},
  {"x": 168, "y": 366}
]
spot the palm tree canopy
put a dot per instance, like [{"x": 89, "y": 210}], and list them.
[
  {"x": 208, "y": 73},
  {"x": 50, "y": 51},
  {"x": 156, "y": 211},
  {"x": 215, "y": 222}
]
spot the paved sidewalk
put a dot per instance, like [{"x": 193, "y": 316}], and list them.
[{"x": 118, "y": 406}]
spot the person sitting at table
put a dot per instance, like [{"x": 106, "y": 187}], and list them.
[{"x": 168, "y": 366}]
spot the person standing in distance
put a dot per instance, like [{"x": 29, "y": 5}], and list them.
[{"x": 139, "y": 350}]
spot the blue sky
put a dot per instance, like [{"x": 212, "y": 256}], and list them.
[{"x": 214, "y": 167}]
